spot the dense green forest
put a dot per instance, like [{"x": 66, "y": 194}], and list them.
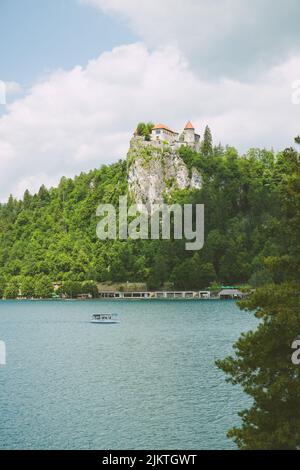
[{"x": 51, "y": 236}]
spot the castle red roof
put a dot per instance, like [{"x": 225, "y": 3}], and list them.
[
  {"x": 189, "y": 125},
  {"x": 163, "y": 126}
]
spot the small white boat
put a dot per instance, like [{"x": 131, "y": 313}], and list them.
[{"x": 105, "y": 318}]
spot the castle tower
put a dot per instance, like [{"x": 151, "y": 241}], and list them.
[
  {"x": 189, "y": 133},
  {"x": 190, "y": 137}
]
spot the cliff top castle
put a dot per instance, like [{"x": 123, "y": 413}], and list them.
[{"x": 162, "y": 134}]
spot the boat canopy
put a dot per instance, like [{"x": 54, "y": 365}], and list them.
[{"x": 104, "y": 315}]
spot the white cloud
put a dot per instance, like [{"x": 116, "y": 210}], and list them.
[
  {"x": 75, "y": 120},
  {"x": 8, "y": 89},
  {"x": 220, "y": 38},
  {"x": 13, "y": 88}
]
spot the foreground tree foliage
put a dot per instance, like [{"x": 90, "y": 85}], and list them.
[{"x": 263, "y": 363}]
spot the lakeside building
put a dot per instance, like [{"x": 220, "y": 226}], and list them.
[
  {"x": 224, "y": 294},
  {"x": 230, "y": 294},
  {"x": 155, "y": 295}
]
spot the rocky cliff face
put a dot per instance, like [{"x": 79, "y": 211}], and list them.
[{"x": 155, "y": 170}]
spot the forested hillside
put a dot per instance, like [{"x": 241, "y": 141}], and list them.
[{"x": 51, "y": 236}]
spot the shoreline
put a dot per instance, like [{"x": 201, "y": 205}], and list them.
[{"x": 120, "y": 300}]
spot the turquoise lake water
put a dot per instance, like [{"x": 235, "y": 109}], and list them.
[{"x": 148, "y": 383}]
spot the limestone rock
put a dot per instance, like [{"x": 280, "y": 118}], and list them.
[{"x": 155, "y": 171}]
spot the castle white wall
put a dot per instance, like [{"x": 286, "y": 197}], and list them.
[
  {"x": 189, "y": 136},
  {"x": 163, "y": 134}
]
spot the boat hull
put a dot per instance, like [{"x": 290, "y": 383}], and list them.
[{"x": 105, "y": 322}]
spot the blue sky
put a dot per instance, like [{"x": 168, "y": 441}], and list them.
[
  {"x": 78, "y": 75},
  {"x": 37, "y": 36}
]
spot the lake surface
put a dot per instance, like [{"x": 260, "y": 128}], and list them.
[{"x": 148, "y": 383}]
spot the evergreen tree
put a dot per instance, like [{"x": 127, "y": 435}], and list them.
[
  {"x": 206, "y": 145},
  {"x": 27, "y": 198}
]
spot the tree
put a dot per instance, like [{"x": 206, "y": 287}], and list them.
[
  {"x": 43, "y": 288},
  {"x": 144, "y": 130},
  {"x": 297, "y": 139},
  {"x": 89, "y": 287},
  {"x": 43, "y": 193},
  {"x": 157, "y": 275},
  {"x": 262, "y": 364},
  {"x": 27, "y": 287},
  {"x": 27, "y": 198},
  {"x": 206, "y": 275},
  {"x": 183, "y": 275},
  {"x": 260, "y": 277},
  {"x": 2, "y": 286},
  {"x": 12, "y": 289},
  {"x": 206, "y": 145},
  {"x": 70, "y": 289},
  {"x": 263, "y": 367},
  {"x": 193, "y": 274}
]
